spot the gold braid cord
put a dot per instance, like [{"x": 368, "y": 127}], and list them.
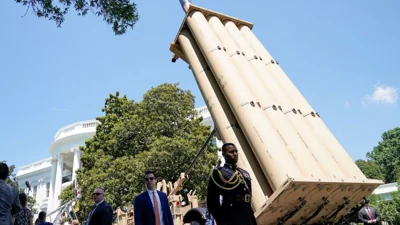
[{"x": 235, "y": 180}]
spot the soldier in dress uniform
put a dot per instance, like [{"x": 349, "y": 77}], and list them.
[{"x": 229, "y": 191}]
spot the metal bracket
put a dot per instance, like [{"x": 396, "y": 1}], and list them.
[
  {"x": 293, "y": 212},
  {"x": 346, "y": 218},
  {"x": 311, "y": 113},
  {"x": 340, "y": 208},
  {"x": 325, "y": 202}
]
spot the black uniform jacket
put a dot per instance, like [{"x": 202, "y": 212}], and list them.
[{"x": 229, "y": 196}]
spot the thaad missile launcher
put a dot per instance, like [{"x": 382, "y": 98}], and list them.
[{"x": 301, "y": 173}]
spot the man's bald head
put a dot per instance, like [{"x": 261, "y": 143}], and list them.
[
  {"x": 99, "y": 190},
  {"x": 98, "y": 195}
]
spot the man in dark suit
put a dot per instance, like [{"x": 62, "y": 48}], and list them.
[
  {"x": 368, "y": 215},
  {"x": 101, "y": 213},
  {"x": 151, "y": 207}
]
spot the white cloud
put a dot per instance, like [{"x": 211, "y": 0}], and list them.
[{"x": 382, "y": 94}]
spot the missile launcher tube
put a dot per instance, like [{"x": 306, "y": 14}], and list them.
[
  {"x": 321, "y": 131},
  {"x": 289, "y": 198},
  {"x": 268, "y": 147},
  {"x": 294, "y": 143},
  {"x": 224, "y": 119},
  {"x": 296, "y": 123}
]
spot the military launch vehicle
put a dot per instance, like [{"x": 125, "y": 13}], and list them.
[{"x": 301, "y": 173}]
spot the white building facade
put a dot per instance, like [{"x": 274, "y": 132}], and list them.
[
  {"x": 386, "y": 190},
  {"x": 48, "y": 177}
]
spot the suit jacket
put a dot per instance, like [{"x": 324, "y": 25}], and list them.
[
  {"x": 103, "y": 215},
  {"x": 144, "y": 211},
  {"x": 364, "y": 217},
  {"x": 9, "y": 203}
]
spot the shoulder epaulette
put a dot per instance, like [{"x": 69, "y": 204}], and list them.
[{"x": 241, "y": 170}]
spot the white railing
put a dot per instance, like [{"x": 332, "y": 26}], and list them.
[
  {"x": 75, "y": 126},
  {"x": 37, "y": 164}
]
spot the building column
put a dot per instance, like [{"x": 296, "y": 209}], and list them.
[
  {"x": 52, "y": 182},
  {"x": 58, "y": 180},
  {"x": 41, "y": 192},
  {"x": 77, "y": 163}
]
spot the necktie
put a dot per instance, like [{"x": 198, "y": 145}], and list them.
[
  {"x": 369, "y": 213},
  {"x": 156, "y": 211}
]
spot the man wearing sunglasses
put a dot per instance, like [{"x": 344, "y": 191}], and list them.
[
  {"x": 101, "y": 213},
  {"x": 151, "y": 207}
]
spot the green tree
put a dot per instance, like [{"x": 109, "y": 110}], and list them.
[
  {"x": 371, "y": 169},
  {"x": 396, "y": 203},
  {"x": 383, "y": 162},
  {"x": 121, "y": 14},
  {"x": 11, "y": 179},
  {"x": 387, "y": 155},
  {"x": 389, "y": 209},
  {"x": 162, "y": 133}
]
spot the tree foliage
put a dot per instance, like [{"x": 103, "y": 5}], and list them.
[
  {"x": 371, "y": 169},
  {"x": 121, "y": 14},
  {"x": 387, "y": 155},
  {"x": 11, "y": 179},
  {"x": 388, "y": 210},
  {"x": 384, "y": 160},
  {"x": 383, "y": 163},
  {"x": 161, "y": 133}
]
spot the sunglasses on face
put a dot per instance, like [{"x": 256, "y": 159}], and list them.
[
  {"x": 149, "y": 178},
  {"x": 96, "y": 194}
]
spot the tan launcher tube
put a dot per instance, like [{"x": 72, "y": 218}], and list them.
[
  {"x": 224, "y": 120},
  {"x": 321, "y": 131},
  {"x": 268, "y": 147},
  {"x": 297, "y": 124},
  {"x": 294, "y": 144}
]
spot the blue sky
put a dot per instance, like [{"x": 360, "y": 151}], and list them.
[{"x": 342, "y": 55}]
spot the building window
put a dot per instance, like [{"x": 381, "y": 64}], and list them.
[
  {"x": 386, "y": 197},
  {"x": 67, "y": 178},
  {"x": 47, "y": 190}
]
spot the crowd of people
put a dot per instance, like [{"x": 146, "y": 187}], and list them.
[{"x": 228, "y": 200}]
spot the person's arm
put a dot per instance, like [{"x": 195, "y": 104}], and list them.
[
  {"x": 16, "y": 205},
  {"x": 107, "y": 215},
  {"x": 378, "y": 217},
  {"x": 250, "y": 188},
  {"x": 30, "y": 221},
  {"x": 137, "y": 209},
  {"x": 213, "y": 201}
]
